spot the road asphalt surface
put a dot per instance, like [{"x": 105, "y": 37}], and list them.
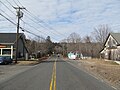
[{"x": 54, "y": 74}]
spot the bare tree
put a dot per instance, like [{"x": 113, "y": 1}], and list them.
[
  {"x": 87, "y": 39},
  {"x": 36, "y": 45},
  {"x": 74, "y": 38},
  {"x": 50, "y": 45},
  {"x": 101, "y": 32},
  {"x": 87, "y": 47},
  {"x": 63, "y": 40}
]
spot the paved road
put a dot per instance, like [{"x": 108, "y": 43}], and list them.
[
  {"x": 8, "y": 71},
  {"x": 54, "y": 74}
]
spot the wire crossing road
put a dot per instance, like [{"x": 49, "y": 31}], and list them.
[{"x": 54, "y": 74}]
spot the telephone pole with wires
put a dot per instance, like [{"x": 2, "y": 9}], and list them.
[{"x": 19, "y": 16}]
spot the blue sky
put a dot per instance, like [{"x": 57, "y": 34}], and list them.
[{"x": 63, "y": 17}]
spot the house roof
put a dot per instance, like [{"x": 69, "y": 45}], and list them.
[
  {"x": 116, "y": 36},
  {"x": 8, "y": 37}
]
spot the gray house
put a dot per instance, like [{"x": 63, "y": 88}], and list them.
[
  {"x": 8, "y": 45},
  {"x": 111, "y": 48}
]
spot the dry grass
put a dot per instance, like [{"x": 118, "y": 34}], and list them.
[
  {"x": 31, "y": 62},
  {"x": 27, "y": 62},
  {"x": 107, "y": 70}
]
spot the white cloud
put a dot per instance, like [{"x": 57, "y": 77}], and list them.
[{"x": 67, "y": 16}]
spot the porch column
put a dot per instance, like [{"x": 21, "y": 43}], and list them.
[
  {"x": 1, "y": 51},
  {"x": 11, "y": 51},
  {"x": 115, "y": 54}
]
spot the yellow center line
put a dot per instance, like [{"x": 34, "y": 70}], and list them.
[
  {"x": 53, "y": 80},
  {"x": 55, "y": 77}
]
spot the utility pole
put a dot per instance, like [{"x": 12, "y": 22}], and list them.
[{"x": 19, "y": 16}]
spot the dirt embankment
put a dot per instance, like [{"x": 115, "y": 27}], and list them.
[{"x": 107, "y": 70}]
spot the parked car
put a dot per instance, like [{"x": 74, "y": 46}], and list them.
[{"x": 5, "y": 60}]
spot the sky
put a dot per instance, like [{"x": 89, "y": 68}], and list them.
[{"x": 59, "y": 18}]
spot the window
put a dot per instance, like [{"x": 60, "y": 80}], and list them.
[{"x": 6, "y": 51}]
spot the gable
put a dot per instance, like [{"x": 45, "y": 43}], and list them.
[
  {"x": 111, "y": 41},
  {"x": 114, "y": 37}
]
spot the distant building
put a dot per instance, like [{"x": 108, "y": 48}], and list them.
[
  {"x": 8, "y": 45},
  {"x": 72, "y": 55},
  {"x": 111, "y": 48}
]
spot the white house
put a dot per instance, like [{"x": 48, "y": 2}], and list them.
[{"x": 111, "y": 48}]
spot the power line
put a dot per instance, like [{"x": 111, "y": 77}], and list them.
[
  {"x": 7, "y": 7},
  {"x": 8, "y": 19},
  {"x": 32, "y": 33},
  {"x": 25, "y": 22},
  {"x": 22, "y": 20},
  {"x": 15, "y": 3},
  {"x": 21, "y": 27},
  {"x": 36, "y": 29},
  {"x": 9, "y": 3},
  {"x": 19, "y": 16},
  {"x": 16, "y": 25},
  {"x": 6, "y": 14},
  {"x": 20, "y": 3},
  {"x": 39, "y": 24},
  {"x": 32, "y": 26},
  {"x": 41, "y": 21},
  {"x": 36, "y": 20},
  {"x": 12, "y": 12},
  {"x": 29, "y": 18}
]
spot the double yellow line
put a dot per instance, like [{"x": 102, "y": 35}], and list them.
[{"x": 53, "y": 80}]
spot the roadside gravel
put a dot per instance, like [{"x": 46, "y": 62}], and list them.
[{"x": 8, "y": 71}]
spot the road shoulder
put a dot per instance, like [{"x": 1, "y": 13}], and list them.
[{"x": 90, "y": 68}]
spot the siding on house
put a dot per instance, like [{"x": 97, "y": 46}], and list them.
[
  {"x": 9, "y": 41},
  {"x": 111, "y": 48}
]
